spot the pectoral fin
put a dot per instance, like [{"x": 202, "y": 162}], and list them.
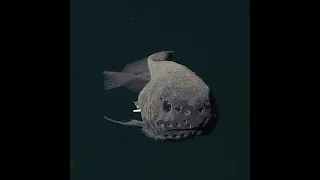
[{"x": 129, "y": 123}]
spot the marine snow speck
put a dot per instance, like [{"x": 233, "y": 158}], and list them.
[{"x": 175, "y": 104}]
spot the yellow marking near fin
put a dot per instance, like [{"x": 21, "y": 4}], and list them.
[{"x": 137, "y": 104}]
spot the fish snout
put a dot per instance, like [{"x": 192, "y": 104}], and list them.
[{"x": 179, "y": 128}]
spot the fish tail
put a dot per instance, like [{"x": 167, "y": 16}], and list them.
[{"x": 116, "y": 79}]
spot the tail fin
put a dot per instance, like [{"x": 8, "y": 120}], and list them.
[{"x": 116, "y": 79}]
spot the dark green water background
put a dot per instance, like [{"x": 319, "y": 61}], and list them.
[{"x": 210, "y": 37}]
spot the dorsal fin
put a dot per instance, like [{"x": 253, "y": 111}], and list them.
[{"x": 161, "y": 56}]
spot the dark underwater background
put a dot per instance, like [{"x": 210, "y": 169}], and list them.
[{"x": 211, "y": 37}]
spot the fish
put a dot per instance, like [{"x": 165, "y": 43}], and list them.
[{"x": 174, "y": 102}]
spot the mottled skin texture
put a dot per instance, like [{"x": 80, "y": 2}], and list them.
[
  {"x": 185, "y": 91},
  {"x": 175, "y": 103}
]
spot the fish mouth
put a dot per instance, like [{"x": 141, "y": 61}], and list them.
[
  {"x": 183, "y": 129},
  {"x": 180, "y": 134},
  {"x": 177, "y": 130}
]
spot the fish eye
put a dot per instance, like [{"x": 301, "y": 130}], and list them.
[{"x": 166, "y": 106}]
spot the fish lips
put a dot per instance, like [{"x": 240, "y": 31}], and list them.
[
  {"x": 172, "y": 132},
  {"x": 181, "y": 133}
]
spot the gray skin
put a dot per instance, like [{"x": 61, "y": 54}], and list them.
[{"x": 175, "y": 103}]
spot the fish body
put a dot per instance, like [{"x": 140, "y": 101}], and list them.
[{"x": 175, "y": 103}]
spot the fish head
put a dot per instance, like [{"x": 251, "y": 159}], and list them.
[{"x": 177, "y": 111}]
